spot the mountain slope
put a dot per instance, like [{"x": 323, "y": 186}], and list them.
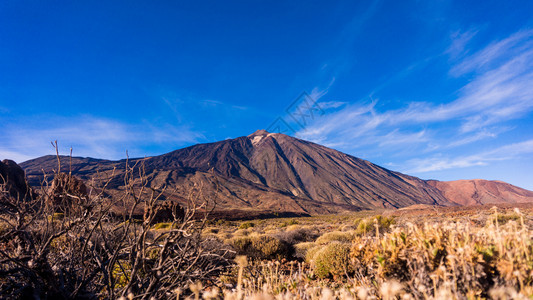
[
  {"x": 263, "y": 171},
  {"x": 478, "y": 191}
]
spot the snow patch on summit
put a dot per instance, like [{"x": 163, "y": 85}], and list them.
[{"x": 256, "y": 139}]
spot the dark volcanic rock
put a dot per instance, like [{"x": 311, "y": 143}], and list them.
[
  {"x": 12, "y": 175},
  {"x": 165, "y": 211},
  {"x": 65, "y": 192}
]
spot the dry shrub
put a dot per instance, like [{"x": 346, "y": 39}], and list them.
[
  {"x": 242, "y": 232},
  {"x": 296, "y": 235},
  {"x": 261, "y": 247},
  {"x": 210, "y": 232},
  {"x": 443, "y": 260},
  {"x": 293, "y": 227},
  {"x": 332, "y": 260},
  {"x": 289, "y": 223},
  {"x": 368, "y": 225},
  {"x": 449, "y": 254},
  {"x": 301, "y": 249},
  {"x": 246, "y": 225},
  {"x": 86, "y": 253},
  {"x": 385, "y": 222},
  {"x": 336, "y": 236}
]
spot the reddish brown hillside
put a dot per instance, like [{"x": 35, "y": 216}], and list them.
[{"x": 478, "y": 191}]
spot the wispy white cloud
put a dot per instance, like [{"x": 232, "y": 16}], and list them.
[
  {"x": 439, "y": 162},
  {"x": 495, "y": 52},
  {"x": 458, "y": 46},
  {"x": 331, "y": 104},
  {"x": 319, "y": 92},
  {"x": 484, "y": 134},
  {"x": 501, "y": 89},
  {"x": 183, "y": 105},
  {"x": 89, "y": 136},
  {"x": 396, "y": 137}
]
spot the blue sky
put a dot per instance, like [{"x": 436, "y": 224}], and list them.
[{"x": 435, "y": 89}]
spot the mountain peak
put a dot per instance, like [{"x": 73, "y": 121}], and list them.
[
  {"x": 259, "y": 135},
  {"x": 259, "y": 132}
]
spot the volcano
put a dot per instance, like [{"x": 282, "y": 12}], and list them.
[{"x": 273, "y": 172}]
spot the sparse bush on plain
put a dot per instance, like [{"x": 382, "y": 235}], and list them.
[
  {"x": 296, "y": 235},
  {"x": 332, "y": 260},
  {"x": 449, "y": 254},
  {"x": 335, "y": 236},
  {"x": 289, "y": 223},
  {"x": 310, "y": 251},
  {"x": 384, "y": 222},
  {"x": 246, "y": 225},
  {"x": 504, "y": 218},
  {"x": 439, "y": 260},
  {"x": 261, "y": 247},
  {"x": 300, "y": 249},
  {"x": 368, "y": 225}
]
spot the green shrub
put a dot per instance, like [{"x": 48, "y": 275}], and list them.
[
  {"x": 289, "y": 223},
  {"x": 223, "y": 222},
  {"x": 332, "y": 260},
  {"x": 241, "y": 244},
  {"x": 246, "y": 225},
  {"x": 502, "y": 219},
  {"x": 385, "y": 222},
  {"x": 121, "y": 273},
  {"x": 364, "y": 226},
  {"x": 164, "y": 225},
  {"x": 56, "y": 217},
  {"x": 368, "y": 225},
  {"x": 269, "y": 247}
]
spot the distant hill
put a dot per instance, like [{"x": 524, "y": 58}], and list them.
[
  {"x": 273, "y": 172},
  {"x": 478, "y": 191}
]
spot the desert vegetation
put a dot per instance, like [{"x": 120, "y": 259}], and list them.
[
  {"x": 64, "y": 241},
  {"x": 475, "y": 254}
]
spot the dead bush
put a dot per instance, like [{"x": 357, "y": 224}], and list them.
[
  {"x": 295, "y": 236},
  {"x": 88, "y": 254}
]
